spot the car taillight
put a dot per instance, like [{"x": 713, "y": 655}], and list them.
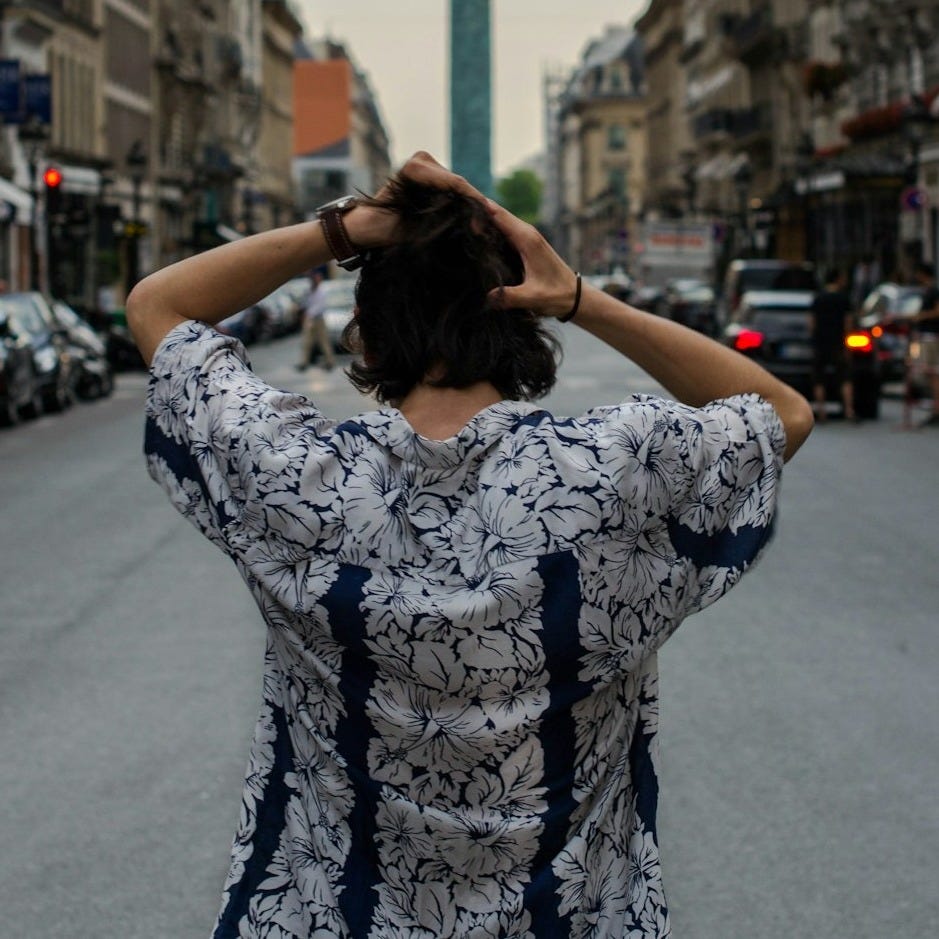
[
  {"x": 859, "y": 342},
  {"x": 877, "y": 332},
  {"x": 747, "y": 340}
]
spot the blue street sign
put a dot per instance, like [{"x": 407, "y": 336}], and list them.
[
  {"x": 10, "y": 102},
  {"x": 913, "y": 198},
  {"x": 37, "y": 98}
]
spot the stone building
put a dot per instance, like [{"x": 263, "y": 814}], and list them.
[
  {"x": 798, "y": 125},
  {"x": 602, "y": 153},
  {"x": 671, "y": 185},
  {"x": 281, "y": 31},
  {"x": 340, "y": 142}
]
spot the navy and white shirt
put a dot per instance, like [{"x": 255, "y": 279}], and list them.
[{"x": 460, "y": 714}]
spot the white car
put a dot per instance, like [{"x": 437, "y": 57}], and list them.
[{"x": 340, "y": 303}]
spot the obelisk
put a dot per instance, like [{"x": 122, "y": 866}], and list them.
[{"x": 471, "y": 92}]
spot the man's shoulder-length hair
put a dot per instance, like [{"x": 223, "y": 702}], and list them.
[{"x": 423, "y": 312}]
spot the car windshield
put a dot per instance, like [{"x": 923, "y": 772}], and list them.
[
  {"x": 23, "y": 313},
  {"x": 67, "y": 315},
  {"x": 908, "y": 304},
  {"x": 775, "y": 278}
]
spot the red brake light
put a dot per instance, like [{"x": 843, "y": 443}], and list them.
[
  {"x": 859, "y": 342},
  {"x": 747, "y": 340}
]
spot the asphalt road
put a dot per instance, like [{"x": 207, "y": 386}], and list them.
[{"x": 800, "y": 741}]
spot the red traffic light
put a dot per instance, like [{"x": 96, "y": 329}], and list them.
[{"x": 52, "y": 177}]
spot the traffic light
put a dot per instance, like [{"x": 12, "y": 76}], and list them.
[{"x": 52, "y": 177}]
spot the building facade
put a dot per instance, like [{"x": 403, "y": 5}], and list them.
[
  {"x": 340, "y": 142},
  {"x": 601, "y": 155},
  {"x": 802, "y": 128},
  {"x": 281, "y": 30}
]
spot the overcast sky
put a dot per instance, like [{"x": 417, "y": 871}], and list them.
[{"x": 402, "y": 46}]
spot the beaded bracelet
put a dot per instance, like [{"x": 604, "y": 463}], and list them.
[{"x": 569, "y": 316}]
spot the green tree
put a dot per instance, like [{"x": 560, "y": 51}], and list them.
[{"x": 520, "y": 193}]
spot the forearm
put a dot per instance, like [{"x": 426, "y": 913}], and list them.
[
  {"x": 691, "y": 367},
  {"x": 218, "y": 283}
]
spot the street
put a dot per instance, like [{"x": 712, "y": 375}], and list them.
[{"x": 800, "y": 745}]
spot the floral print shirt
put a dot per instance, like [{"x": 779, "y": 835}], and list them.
[{"x": 460, "y": 708}]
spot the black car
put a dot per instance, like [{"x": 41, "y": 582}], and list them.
[
  {"x": 746, "y": 274},
  {"x": 20, "y": 387},
  {"x": 691, "y": 303},
  {"x": 95, "y": 377},
  {"x": 54, "y": 366},
  {"x": 774, "y": 327}
]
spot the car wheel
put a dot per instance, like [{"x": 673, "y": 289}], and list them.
[{"x": 106, "y": 385}]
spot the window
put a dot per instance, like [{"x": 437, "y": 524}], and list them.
[
  {"x": 616, "y": 181},
  {"x": 616, "y": 137}
]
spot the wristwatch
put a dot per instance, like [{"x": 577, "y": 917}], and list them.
[{"x": 347, "y": 255}]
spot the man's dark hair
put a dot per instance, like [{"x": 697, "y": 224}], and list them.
[{"x": 423, "y": 307}]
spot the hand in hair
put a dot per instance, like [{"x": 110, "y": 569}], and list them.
[{"x": 549, "y": 286}]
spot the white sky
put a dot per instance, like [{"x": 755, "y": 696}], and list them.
[{"x": 403, "y": 47}]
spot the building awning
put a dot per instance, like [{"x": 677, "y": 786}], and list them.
[{"x": 19, "y": 199}]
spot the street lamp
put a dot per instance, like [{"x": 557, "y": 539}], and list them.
[
  {"x": 136, "y": 160},
  {"x": 34, "y": 135},
  {"x": 743, "y": 179}
]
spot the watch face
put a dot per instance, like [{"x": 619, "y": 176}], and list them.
[{"x": 342, "y": 204}]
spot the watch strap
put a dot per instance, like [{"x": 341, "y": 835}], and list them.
[{"x": 337, "y": 238}]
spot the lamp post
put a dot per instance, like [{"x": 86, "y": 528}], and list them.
[
  {"x": 33, "y": 135},
  {"x": 136, "y": 160},
  {"x": 743, "y": 178}
]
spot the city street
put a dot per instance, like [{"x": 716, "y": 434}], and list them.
[{"x": 800, "y": 741}]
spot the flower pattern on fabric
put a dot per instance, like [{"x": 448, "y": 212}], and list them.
[{"x": 458, "y": 735}]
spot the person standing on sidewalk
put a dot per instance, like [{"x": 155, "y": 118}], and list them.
[
  {"x": 314, "y": 334},
  {"x": 926, "y": 325},
  {"x": 831, "y": 322},
  {"x": 464, "y": 594}
]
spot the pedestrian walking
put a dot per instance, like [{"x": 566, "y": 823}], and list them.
[
  {"x": 926, "y": 332},
  {"x": 314, "y": 335},
  {"x": 831, "y": 322},
  {"x": 464, "y": 594}
]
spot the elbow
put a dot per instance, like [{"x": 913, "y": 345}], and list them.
[
  {"x": 799, "y": 422},
  {"x": 139, "y": 301}
]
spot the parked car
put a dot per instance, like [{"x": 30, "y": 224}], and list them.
[
  {"x": 54, "y": 365},
  {"x": 246, "y": 325},
  {"x": 95, "y": 374},
  {"x": 774, "y": 327},
  {"x": 647, "y": 297},
  {"x": 123, "y": 353},
  {"x": 886, "y": 313},
  {"x": 20, "y": 386},
  {"x": 747, "y": 274},
  {"x": 691, "y": 303},
  {"x": 340, "y": 304}
]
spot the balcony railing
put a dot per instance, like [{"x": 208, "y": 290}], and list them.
[
  {"x": 738, "y": 123},
  {"x": 752, "y": 122},
  {"x": 715, "y": 121}
]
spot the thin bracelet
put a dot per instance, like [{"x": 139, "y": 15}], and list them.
[{"x": 569, "y": 316}]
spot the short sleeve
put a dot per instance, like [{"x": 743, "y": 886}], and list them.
[
  {"x": 700, "y": 483},
  {"x": 215, "y": 431}
]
